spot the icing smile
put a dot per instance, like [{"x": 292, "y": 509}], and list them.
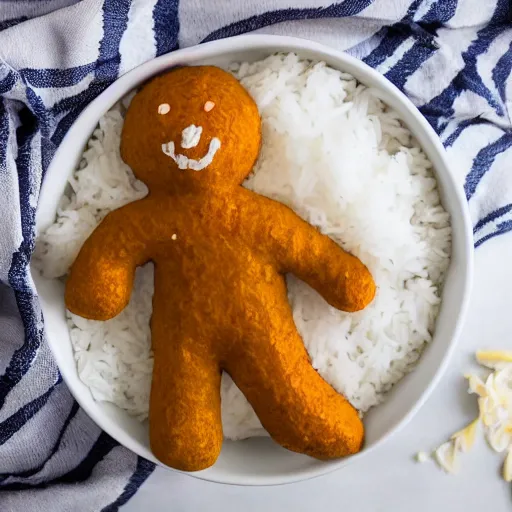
[{"x": 190, "y": 138}]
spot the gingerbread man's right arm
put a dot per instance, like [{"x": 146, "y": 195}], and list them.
[
  {"x": 299, "y": 248},
  {"x": 100, "y": 282}
]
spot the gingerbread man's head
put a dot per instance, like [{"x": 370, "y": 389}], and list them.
[{"x": 193, "y": 129}]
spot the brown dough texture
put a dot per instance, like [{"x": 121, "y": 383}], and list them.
[{"x": 220, "y": 300}]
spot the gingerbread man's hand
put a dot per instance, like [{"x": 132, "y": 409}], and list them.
[
  {"x": 342, "y": 279},
  {"x": 101, "y": 278}
]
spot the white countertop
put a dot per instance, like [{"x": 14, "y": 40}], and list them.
[{"x": 389, "y": 479}]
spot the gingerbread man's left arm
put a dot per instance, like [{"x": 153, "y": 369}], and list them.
[
  {"x": 100, "y": 282},
  {"x": 299, "y": 248}
]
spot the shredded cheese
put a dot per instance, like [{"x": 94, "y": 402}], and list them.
[{"x": 495, "y": 413}]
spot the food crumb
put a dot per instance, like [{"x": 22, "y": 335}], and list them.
[
  {"x": 209, "y": 106},
  {"x": 174, "y": 237},
  {"x": 421, "y": 457}
]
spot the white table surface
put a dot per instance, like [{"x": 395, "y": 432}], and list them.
[{"x": 389, "y": 479}]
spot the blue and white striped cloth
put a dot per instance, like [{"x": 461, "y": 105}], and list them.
[{"x": 452, "y": 58}]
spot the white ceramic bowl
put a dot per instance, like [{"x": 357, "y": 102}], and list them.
[{"x": 261, "y": 461}]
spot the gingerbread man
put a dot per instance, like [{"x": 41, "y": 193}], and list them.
[{"x": 221, "y": 253}]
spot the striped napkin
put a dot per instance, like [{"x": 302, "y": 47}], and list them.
[{"x": 453, "y": 59}]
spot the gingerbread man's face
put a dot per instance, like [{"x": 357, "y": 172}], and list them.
[{"x": 192, "y": 129}]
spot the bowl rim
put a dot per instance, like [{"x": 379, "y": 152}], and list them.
[{"x": 271, "y": 44}]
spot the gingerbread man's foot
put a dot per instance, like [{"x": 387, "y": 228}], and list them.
[
  {"x": 299, "y": 409},
  {"x": 185, "y": 419}
]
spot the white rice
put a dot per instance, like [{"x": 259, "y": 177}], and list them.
[{"x": 343, "y": 161}]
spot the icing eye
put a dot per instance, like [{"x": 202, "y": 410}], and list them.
[
  {"x": 164, "y": 108},
  {"x": 208, "y": 106}
]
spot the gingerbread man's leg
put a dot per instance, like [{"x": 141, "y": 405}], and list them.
[
  {"x": 299, "y": 409},
  {"x": 185, "y": 419}
]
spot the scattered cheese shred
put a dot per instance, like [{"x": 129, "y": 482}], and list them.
[
  {"x": 446, "y": 457},
  {"x": 476, "y": 385},
  {"x": 494, "y": 358},
  {"x": 499, "y": 440},
  {"x": 507, "y": 466},
  {"x": 467, "y": 436},
  {"x": 495, "y": 412}
]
